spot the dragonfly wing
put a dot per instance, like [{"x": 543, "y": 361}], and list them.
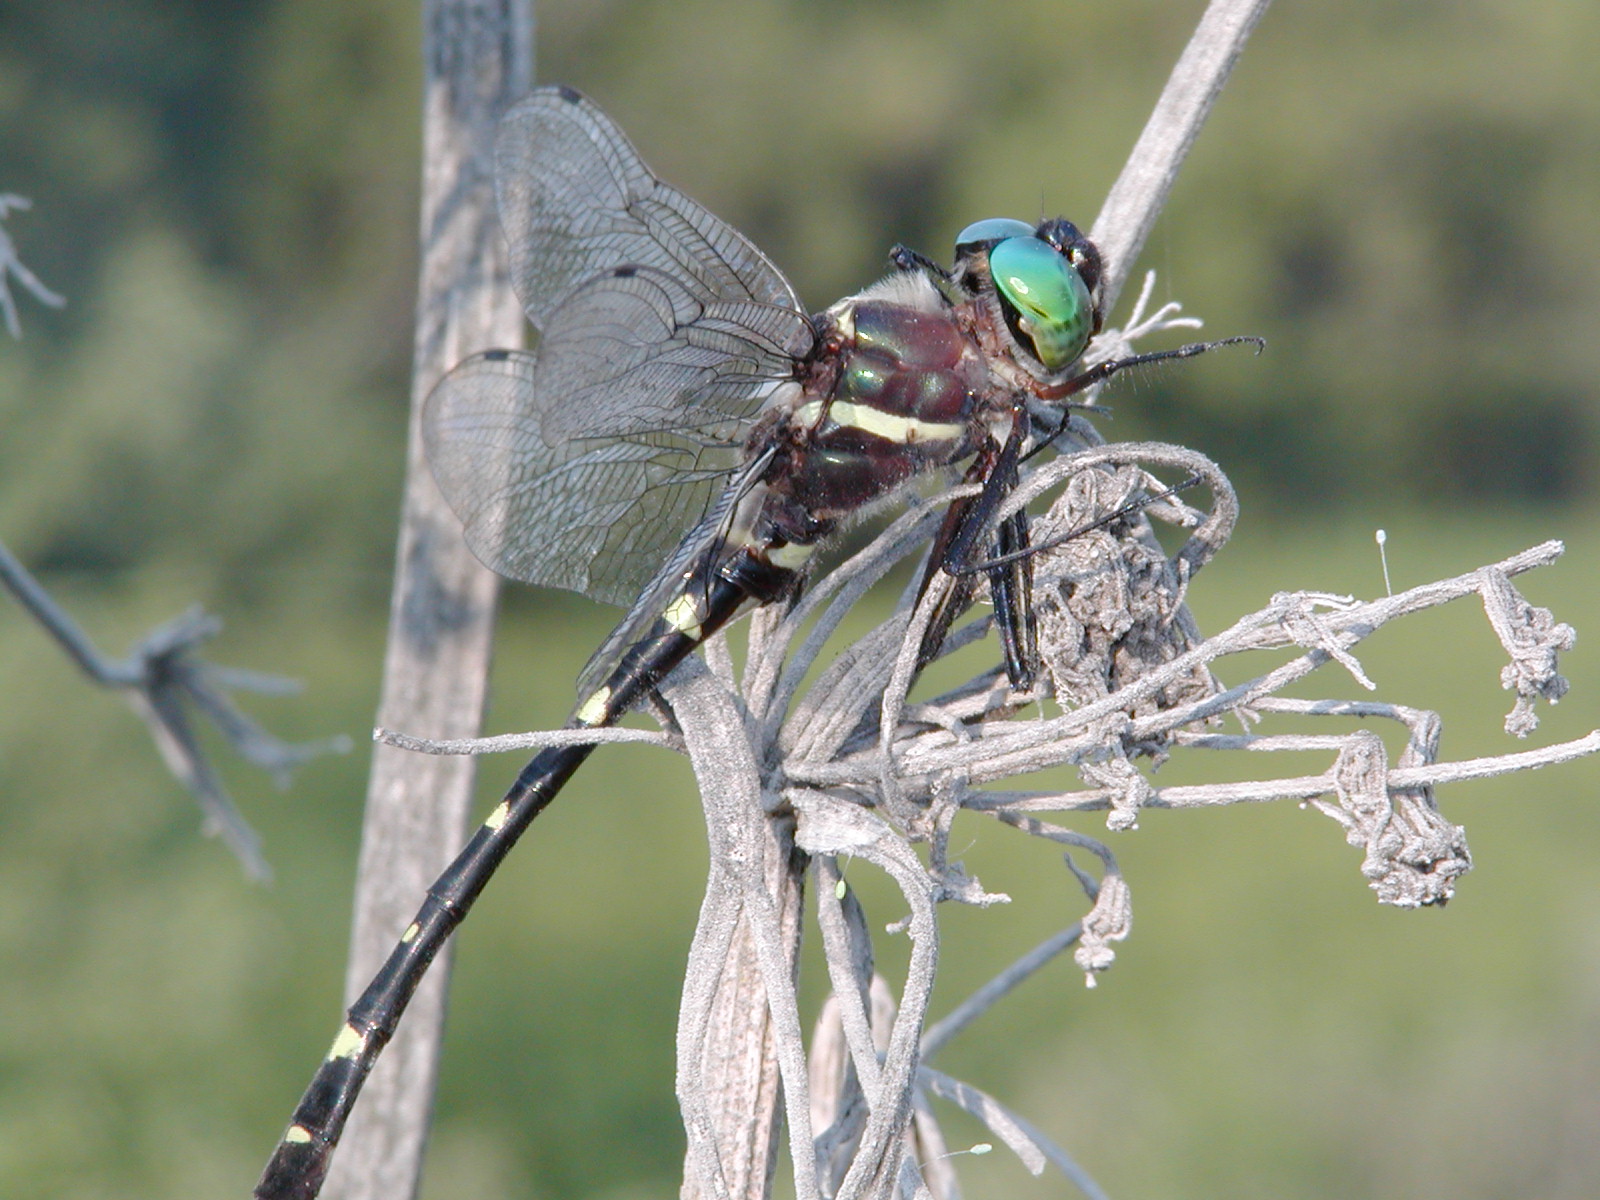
[
  {"x": 706, "y": 537},
  {"x": 576, "y": 200},
  {"x": 580, "y": 467}
]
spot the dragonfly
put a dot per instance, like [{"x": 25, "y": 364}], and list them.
[{"x": 678, "y": 383}]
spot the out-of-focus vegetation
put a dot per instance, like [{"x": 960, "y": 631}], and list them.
[{"x": 1400, "y": 197}]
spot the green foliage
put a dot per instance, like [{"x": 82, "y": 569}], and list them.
[{"x": 1398, "y": 196}]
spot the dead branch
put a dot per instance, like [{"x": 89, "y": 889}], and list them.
[{"x": 166, "y": 682}]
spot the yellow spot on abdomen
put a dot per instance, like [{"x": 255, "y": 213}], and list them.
[
  {"x": 350, "y": 1042},
  {"x": 593, "y": 710},
  {"x": 298, "y": 1135},
  {"x": 410, "y": 935},
  {"x": 498, "y": 817},
  {"x": 684, "y": 616}
]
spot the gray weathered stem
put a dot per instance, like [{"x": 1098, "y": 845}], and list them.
[
  {"x": 739, "y": 1016},
  {"x": 1125, "y": 221},
  {"x": 1136, "y": 199},
  {"x": 478, "y": 57}
]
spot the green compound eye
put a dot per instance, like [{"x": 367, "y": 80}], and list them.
[
  {"x": 991, "y": 229},
  {"x": 1053, "y": 308}
]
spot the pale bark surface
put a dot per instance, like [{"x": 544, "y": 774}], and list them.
[{"x": 478, "y": 60}]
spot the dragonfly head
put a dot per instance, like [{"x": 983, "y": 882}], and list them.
[{"x": 1040, "y": 283}]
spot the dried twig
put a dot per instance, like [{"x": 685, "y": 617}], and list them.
[
  {"x": 868, "y": 771},
  {"x": 11, "y": 265},
  {"x": 166, "y": 683}
]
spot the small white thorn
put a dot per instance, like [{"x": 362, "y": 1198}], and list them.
[
  {"x": 976, "y": 1148},
  {"x": 1382, "y": 538}
]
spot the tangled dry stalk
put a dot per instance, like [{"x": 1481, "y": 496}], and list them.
[{"x": 856, "y": 768}]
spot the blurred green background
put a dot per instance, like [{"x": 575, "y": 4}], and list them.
[{"x": 1399, "y": 197}]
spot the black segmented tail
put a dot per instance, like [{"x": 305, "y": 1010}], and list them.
[
  {"x": 300, "y": 1163},
  {"x": 301, "y": 1160}
]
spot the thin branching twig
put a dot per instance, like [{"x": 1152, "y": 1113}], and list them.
[
  {"x": 167, "y": 683},
  {"x": 12, "y": 267}
]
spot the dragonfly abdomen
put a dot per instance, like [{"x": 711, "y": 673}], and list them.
[{"x": 714, "y": 592}]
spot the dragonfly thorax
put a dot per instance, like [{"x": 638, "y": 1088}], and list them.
[{"x": 897, "y": 395}]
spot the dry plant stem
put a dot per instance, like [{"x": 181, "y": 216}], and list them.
[
  {"x": 939, "y": 1034},
  {"x": 501, "y": 743},
  {"x": 1055, "y": 741},
  {"x": 1021, "y": 1135},
  {"x": 988, "y": 1110},
  {"x": 478, "y": 57},
  {"x": 828, "y": 825},
  {"x": 852, "y": 1027},
  {"x": 739, "y": 1018},
  {"x": 166, "y": 683},
  {"x": 1137, "y": 197},
  {"x": 11, "y": 265},
  {"x": 1068, "y": 738}
]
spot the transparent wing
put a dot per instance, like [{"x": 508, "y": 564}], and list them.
[
  {"x": 581, "y": 467},
  {"x": 575, "y": 200},
  {"x": 668, "y": 583}
]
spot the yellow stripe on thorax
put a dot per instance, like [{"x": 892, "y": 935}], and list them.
[
  {"x": 905, "y": 431},
  {"x": 892, "y": 428},
  {"x": 790, "y": 556}
]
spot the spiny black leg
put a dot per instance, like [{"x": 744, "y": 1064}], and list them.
[
  {"x": 965, "y": 521},
  {"x": 1105, "y": 370},
  {"x": 906, "y": 259},
  {"x": 1011, "y": 581},
  {"x": 1100, "y": 372},
  {"x": 1131, "y": 507},
  {"x": 959, "y": 597},
  {"x": 1011, "y": 590},
  {"x": 1000, "y": 478}
]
